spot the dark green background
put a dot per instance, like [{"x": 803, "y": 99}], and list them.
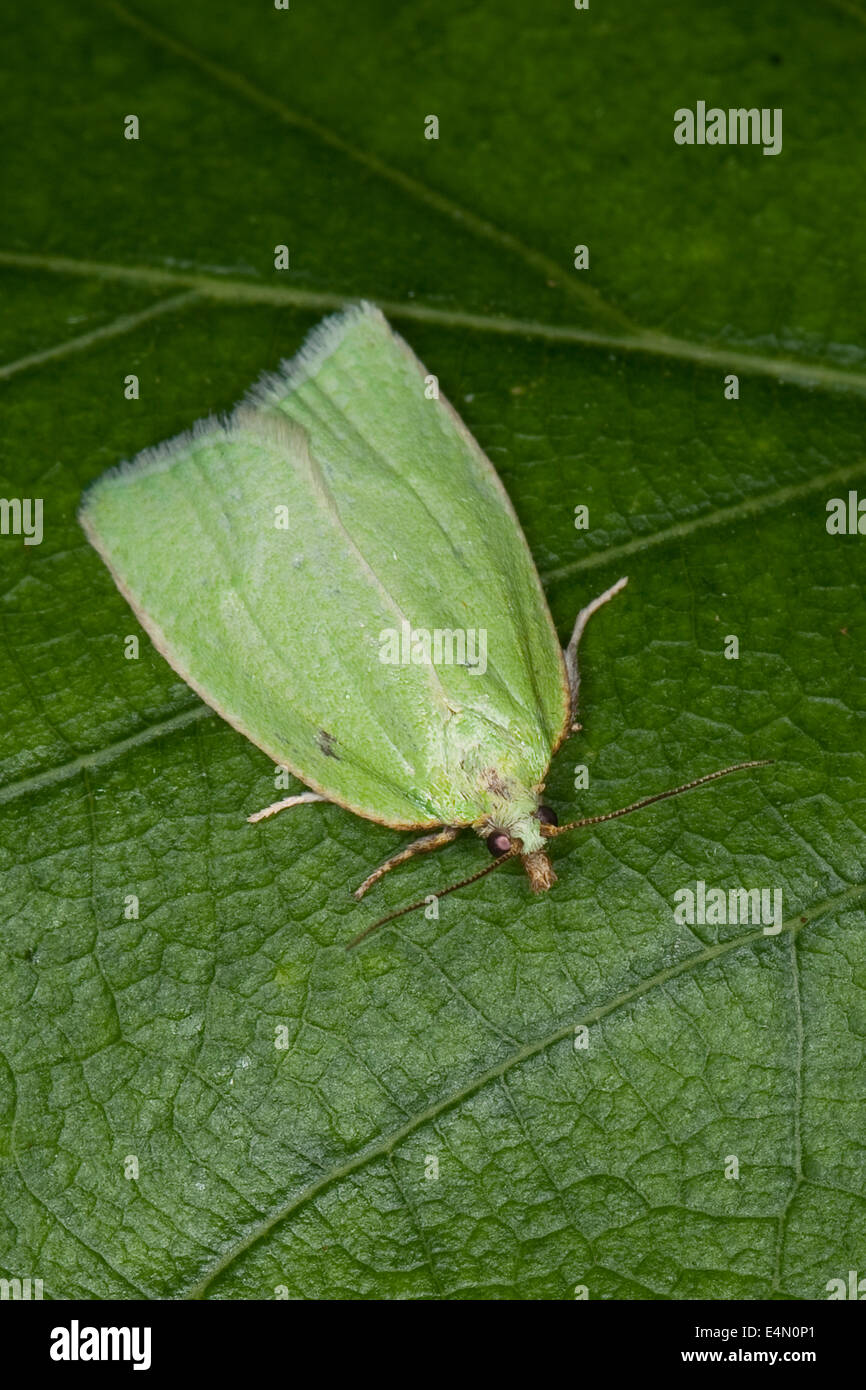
[{"x": 304, "y": 1168}]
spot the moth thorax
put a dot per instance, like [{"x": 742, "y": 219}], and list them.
[{"x": 540, "y": 871}]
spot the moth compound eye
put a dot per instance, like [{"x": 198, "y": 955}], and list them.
[
  {"x": 498, "y": 843},
  {"x": 547, "y": 816}
]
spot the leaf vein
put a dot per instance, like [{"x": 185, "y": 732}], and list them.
[{"x": 385, "y": 1145}]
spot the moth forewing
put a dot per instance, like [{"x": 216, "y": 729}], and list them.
[{"x": 282, "y": 629}]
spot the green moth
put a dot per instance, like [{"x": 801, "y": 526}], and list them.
[{"x": 320, "y": 568}]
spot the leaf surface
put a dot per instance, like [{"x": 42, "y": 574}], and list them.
[{"x": 415, "y": 1120}]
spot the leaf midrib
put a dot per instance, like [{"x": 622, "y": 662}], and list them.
[{"x": 803, "y": 373}]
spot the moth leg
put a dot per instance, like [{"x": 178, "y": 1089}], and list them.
[
  {"x": 301, "y": 799},
  {"x": 437, "y": 840},
  {"x": 570, "y": 652}
]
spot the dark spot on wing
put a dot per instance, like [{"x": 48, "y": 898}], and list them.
[{"x": 327, "y": 743}]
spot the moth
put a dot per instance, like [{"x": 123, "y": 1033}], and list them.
[{"x": 314, "y": 567}]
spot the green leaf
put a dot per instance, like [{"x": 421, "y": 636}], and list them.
[{"x": 148, "y": 1045}]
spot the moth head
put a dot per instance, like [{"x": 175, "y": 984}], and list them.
[
  {"x": 524, "y": 838},
  {"x": 527, "y": 832}
]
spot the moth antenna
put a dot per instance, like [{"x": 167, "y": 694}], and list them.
[
  {"x": 422, "y": 902},
  {"x": 550, "y": 830}
]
